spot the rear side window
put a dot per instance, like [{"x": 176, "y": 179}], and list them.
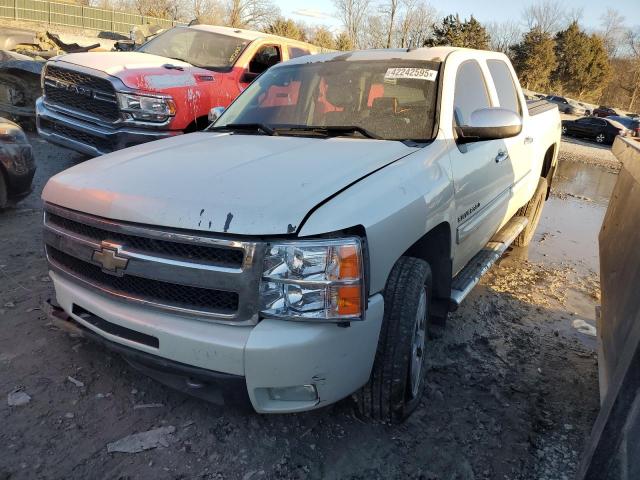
[
  {"x": 470, "y": 93},
  {"x": 295, "y": 52},
  {"x": 503, "y": 80},
  {"x": 264, "y": 58}
]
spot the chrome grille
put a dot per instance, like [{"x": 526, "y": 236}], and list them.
[
  {"x": 225, "y": 257},
  {"x": 154, "y": 291},
  {"x": 185, "y": 272},
  {"x": 82, "y": 92}
]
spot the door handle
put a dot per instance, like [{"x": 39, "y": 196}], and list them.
[
  {"x": 528, "y": 140},
  {"x": 502, "y": 156}
]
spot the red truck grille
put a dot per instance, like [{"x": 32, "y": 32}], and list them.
[{"x": 81, "y": 92}]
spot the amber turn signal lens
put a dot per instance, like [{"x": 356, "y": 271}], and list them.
[
  {"x": 349, "y": 261},
  {"x": 349, "y": 300}
]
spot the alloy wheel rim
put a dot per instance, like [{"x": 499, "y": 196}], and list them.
[
  {"x": 600, "y": 138},
  {"x": 417, "y": 345}
]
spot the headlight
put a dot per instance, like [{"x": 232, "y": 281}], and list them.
[
  {"x": 12, "y": 134},
  {"x": 147, "y": 108},
  {"x": 313, "y": 280}
]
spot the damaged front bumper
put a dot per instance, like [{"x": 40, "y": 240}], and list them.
[
  {"x": 88, "y": 137},
  {"x": 203, "y": 358}
]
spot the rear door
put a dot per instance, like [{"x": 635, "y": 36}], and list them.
[
  {"x": 521, "y": 147},
  {"x": 482, "y": 171}
]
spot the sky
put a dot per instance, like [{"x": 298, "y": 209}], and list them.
[{"x": 321, "y": 11}]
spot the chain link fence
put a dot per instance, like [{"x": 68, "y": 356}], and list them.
[{"x": 79, "y": 16}]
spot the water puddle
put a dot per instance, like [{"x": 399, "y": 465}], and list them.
[
  {"x": 572, "y": 217},
  {"x": 567, "y": 235}
]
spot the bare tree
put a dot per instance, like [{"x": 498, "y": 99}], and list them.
[
  {"x": 206, "y": 11},
  {"x": 250, "y": 13},
  {"x": 374, "y": 32},
  {"x": 353, "y": 15},
  {"x": 547, "y": 15},
  {"x": 574, "y": 15},
  {"x": 504, "y": 35},
  {"x": 633, "y": 41},
  {"x": 390, "y": 11},
  {"x": 415, "y": 23},
  {"x": 613, "y": 31}
]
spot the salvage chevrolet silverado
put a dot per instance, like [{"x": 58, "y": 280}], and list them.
[
  {"x": 98, "y": 102},
  {"x": 301, "y": 251}
]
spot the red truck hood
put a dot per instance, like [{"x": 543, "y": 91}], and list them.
[{"x": 142, "y": 71}]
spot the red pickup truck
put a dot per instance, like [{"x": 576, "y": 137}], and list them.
[{"x": 99, "y": 102}]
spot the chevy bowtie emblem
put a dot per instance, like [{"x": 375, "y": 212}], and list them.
[{"x": 108, "y": 257}]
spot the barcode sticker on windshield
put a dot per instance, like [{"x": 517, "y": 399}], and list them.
[{"x": 411, "y": 73}]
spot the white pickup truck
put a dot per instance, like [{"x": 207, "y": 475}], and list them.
[{"x": 300, "y": 247}]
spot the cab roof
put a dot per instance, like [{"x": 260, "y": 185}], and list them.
[
  {"x": 249, "y": 35},
  {"x": 434, "y": 54}
]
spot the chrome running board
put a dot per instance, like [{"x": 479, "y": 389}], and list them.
[{"x": 470, "y": 275}]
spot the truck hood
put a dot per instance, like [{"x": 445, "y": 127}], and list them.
[
  {"x": 220, "y": 182},
  {"x": 141, "y": 71}
]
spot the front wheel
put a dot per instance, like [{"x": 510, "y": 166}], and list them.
[
  {"x": 397, "y": 379},
  {"x": 532, "y": 210},
  {"x": 600, "y": 138},
  {"x": 564, "y": 130}
]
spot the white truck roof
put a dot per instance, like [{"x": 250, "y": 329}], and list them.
[{"x": 436, "y": 54}]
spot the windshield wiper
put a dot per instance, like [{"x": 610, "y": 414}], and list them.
[
  {"x": 328, "y": 130},
  {"x": 246, "y": 127}
]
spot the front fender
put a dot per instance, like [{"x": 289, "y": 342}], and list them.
[{"x": 396, "y": 205}]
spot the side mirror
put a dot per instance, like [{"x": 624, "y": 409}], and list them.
[
  {"x": 215, "y": 113},
  {"x": 248, "y": 77},
  {"x": 490, "y": 124}
]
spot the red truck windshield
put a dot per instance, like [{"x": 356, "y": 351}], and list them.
[
  {"x": 200, "y": 48},
  {"x": 388, "y": 99}
]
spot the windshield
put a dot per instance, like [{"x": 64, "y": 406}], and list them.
[
  {"x": 388, "y": 99},
  {"x": 203, "y": 49}
]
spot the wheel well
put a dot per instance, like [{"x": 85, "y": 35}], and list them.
[
  {"x": 199, "y": 123},
  {"x": 435, "y": 248},
  {"x": 548, "y": 160}
]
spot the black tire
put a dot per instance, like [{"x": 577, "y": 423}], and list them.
[
  {"x": 532, "y": 210},
  {"x": 390, "y": 395},
  {"x": 4, "y": 194}
]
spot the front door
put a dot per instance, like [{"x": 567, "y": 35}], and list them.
[{"x": 482, "y": 171}]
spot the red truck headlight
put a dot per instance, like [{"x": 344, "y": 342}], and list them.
[
  {"x": 147, "y": 108},
  {"x": 314, "y": 280}
]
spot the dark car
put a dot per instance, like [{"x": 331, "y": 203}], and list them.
[
  {"x": 602, "y": 130},
  {"x": 632, "y": 124},
  {"x": 16, "y": 162},
  {"x": 565, "y": 105},
  {"x": 604, "y": 112}
]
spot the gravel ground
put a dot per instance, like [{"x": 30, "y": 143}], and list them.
[
  {"x": 512, "y": 386},
  {"x": 590, "y": 153}
]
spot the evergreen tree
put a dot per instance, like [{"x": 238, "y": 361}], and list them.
[
  {"x": 583, "y": 64},
  {"x": 534, "y": 59},
  {"x": 458, "y": 33},
  {"x": 323, "y": 38},
  {"x": 344, "y": 42},
  {"x": 285, "y": 28}
]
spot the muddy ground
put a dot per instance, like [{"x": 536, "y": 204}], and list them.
[{"x": 512, "y": 394}]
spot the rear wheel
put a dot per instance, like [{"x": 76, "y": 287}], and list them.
[
  {"x": 564, "y": 129},
  {"x": 397, "y": 379},
  {"x": 532, "y": 210},
  {"x": 600, "y": 138}
]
